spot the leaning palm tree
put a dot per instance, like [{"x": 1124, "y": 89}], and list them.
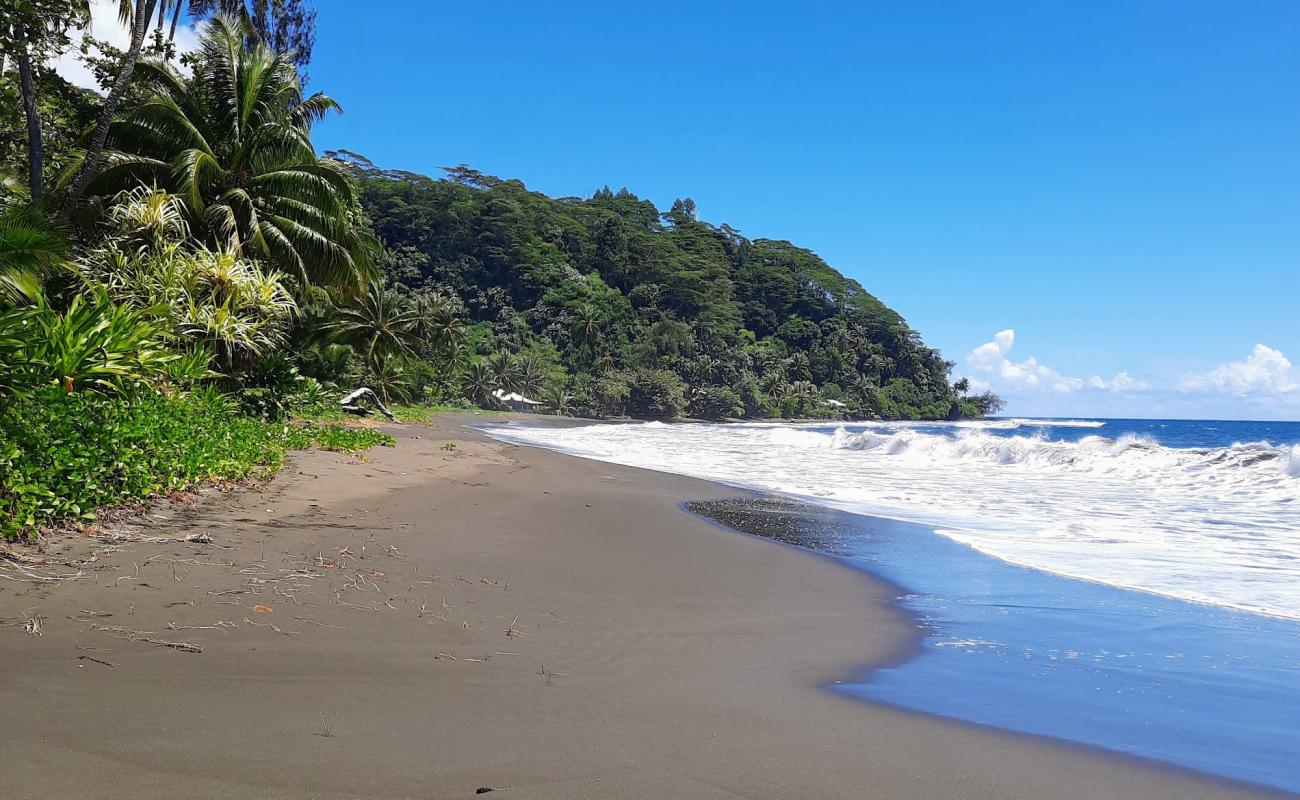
[{"x": 233, "y": 141}]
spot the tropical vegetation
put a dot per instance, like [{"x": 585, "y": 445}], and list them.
[{"x": 181, "y": 274}]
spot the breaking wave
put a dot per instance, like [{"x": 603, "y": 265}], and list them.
[{"x": 1215, "y": 525}]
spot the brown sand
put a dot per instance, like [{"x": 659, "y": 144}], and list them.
[{"x": 501, "y": 617}]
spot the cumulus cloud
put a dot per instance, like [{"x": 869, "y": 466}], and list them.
[
  {"x": 1264, "y": 372},
  {"x": 1263, "y": 385},
  {"x": 992, "y": 368},
  {"x": 1122, "y": 382},
  {"x": 104, "y": 25}
]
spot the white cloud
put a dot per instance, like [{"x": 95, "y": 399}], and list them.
[
  {"x": 993, "y": 369},
  {"x": 1263, "y": 385},
  {"x": 1264, "y": 372},
  {"x": 1122, "y": 382},
  {"x": 104, "y": 25}
]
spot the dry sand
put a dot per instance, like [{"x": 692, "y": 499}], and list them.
[{"x": 483, "y": 616}]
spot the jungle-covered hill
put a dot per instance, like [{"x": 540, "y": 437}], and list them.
[{"x": 639, "y": 311}]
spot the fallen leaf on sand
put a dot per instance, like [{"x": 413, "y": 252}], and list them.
[{"x": 263, "y": 609}]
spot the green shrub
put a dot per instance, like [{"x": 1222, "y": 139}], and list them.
[
  {"x": 65, "y": 455},
  {"x": 755, "y": 401},
  {"x": 94, "y": 344},
  {"x": 655, "y": 394},
  {"x": 716, "y": 402},
  {"x": 270, "y": 388},
  {"x": 609, "y": 395}
]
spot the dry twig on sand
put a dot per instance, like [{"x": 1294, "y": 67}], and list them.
[
  {"x": 115, "y": 537},
  {"x": 278, "y": 630},
  {"x": 35, "y": 569},
  {"x": 321, "y": 624},
  {"x": 119, "y": 632}
]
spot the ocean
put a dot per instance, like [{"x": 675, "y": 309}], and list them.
[{"x": 1127, "y": 584}]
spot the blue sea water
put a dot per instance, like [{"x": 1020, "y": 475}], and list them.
[
  {"x": 1206, "y": 688},
  {"x": 1128, "y": 584},
  {"x": 1168, "y": 432}
]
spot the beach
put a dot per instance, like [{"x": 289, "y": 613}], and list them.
[{"x": 456, "y": 614}]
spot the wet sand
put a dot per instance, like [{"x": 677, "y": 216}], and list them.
[{"x": 444, "y": 619}]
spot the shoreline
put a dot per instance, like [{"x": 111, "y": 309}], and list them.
[
  {"x": 865, "y": 676},
  {"x": 599, "y": 642}
]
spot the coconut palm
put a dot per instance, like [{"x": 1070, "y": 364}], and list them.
[
  {"x": 135, "y": 15},
  {"x": 380, "y": 325},
  {"x": 438, "y": 324},
  {"x": 477, "y": 383},
  {"x": 559, "y": 401},
  {"x": 505, "y": 371},
  {"x": 532, "y": 377},
  {"x": 587, "y": 326},
  {"x": 31, "y": 245},
  {"x": 232, "y": 140}
]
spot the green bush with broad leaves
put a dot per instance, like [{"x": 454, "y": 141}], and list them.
[{"x": 62, "y": 456}]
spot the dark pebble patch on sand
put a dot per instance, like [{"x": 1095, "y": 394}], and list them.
[{"x": 787, "y": 521}]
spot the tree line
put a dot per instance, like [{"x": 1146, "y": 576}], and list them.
[{"x": 180, "y": 230}]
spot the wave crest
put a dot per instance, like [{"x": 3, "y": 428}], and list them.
[{"x": 1130, "y": 452}]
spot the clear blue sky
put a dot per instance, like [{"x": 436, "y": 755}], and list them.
[{"x": 1117, "y": 182}]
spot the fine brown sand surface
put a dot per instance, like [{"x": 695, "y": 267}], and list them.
[{"x": 448, "y": 618}]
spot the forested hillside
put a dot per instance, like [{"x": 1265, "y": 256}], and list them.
[{"x": 630, "y": 310}]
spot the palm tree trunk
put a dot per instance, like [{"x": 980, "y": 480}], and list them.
[
  {"x": 35, "y": 150},
  {"x": 139, "y": 26},
  {"x": 176, "y": 15}
]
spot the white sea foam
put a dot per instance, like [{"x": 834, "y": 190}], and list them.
[
  {"x": 1060, "y": 423},
  {"x": 1214, "y": 525}
]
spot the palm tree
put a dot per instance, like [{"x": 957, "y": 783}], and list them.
[
  {"x": 380, "y": 324},
  {"x": 135, "y": 14},
  {"x": 603, "y": 363},
  {"x": 587, "y": 327},
  {"x": 31, "y": 245},
  {"x": 504, "y": 370},
  {"x": 559, "y": 401},
  {"x": 439, "y": 324},
  {"x": 533, "y": 376},
  {"x": 478, "y": 382},
  {"x": 233, "y": 141}
]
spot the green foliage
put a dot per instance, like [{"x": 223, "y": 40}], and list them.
[
  {"x": 233, "y": 141},
  {"x": 716, "y": 402},
  {"x": 62, "y": 456},
  {"x": 609, "y": 284},
  {"x": 655, "y": 394},
  {"x": 609, "y": 395},
  {"x": 214, "y": 299},
  {"x": 94, "y": 345},
  {"x": 271, "y": 388},
  {"x": 32, "y": 246}
]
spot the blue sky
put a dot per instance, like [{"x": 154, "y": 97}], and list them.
[{"x": 1116, "y": 182}]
